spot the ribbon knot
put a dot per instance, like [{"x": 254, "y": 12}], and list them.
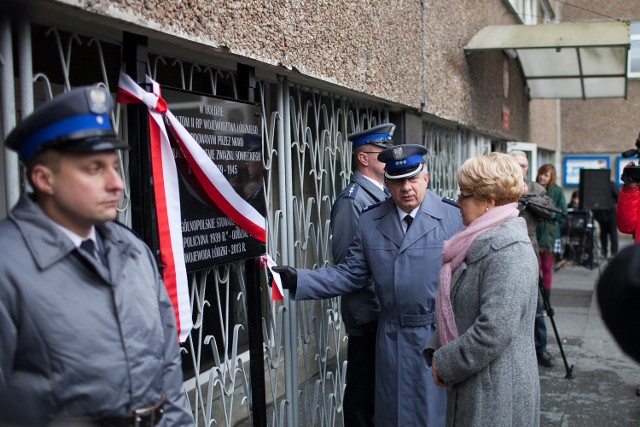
[{"x": 154, "y": 102}]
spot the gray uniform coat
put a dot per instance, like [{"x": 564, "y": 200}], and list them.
[
  {"x": 404, "y": 269},
  {"x": 491, "y": 366},
  {"x": 362, "y": 306},
  {"x": 79, "y": 338}
]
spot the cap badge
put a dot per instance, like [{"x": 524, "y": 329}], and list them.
[
  {"x": 398, "y": 152},
  {"x": 98, "y": 100}
]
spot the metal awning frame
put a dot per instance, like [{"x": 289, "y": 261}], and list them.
[{"x": 597, "y": 67}]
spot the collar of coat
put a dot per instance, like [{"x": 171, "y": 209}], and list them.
[{"x": 48, "y": 244}]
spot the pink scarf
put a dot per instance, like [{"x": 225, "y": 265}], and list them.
[{"x": 454, "y": 252}]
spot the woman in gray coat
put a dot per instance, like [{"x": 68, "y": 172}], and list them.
[{"x": 483, "y": 351}]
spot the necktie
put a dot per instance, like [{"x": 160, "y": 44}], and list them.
[
  {"x": 89, "y": 247},
  {"x": 408, "y": 219}
]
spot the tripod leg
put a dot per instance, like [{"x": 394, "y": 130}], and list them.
[{"x": 549, "y": 310}]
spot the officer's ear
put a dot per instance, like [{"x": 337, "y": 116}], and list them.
[
  {"x": 42, "y": 170},
  {"x": 41, "y": 178},
  {"x": 362, "y": 158}
]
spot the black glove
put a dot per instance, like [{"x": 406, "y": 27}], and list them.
[{"x": 288, "y": 275}]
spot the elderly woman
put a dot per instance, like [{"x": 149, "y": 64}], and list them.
[{"x": 483, "y": 351}]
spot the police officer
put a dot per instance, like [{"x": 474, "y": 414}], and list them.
[
  {"x": 403, "y": 256},
  {"x": 360, "y": 309},
  {"x": 87, "y": 330}
]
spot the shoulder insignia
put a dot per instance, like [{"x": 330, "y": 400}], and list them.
[
  {"x": 373, "y": 206},
  {"x": 450, "y": 201},
  {"x": 351, "y": 190}
]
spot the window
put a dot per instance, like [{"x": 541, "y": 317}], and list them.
[
  {"x": 634, "y": 52},
  {"x": 525, "y": 9}
]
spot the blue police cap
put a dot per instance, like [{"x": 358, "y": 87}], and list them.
[
  {"x": 378, "y": 135},
  {"x": 402, "y": 161},
  {"x": 75, "y": 121}
]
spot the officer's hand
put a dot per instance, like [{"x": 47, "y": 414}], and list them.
[{"x": 288, "y": 275}]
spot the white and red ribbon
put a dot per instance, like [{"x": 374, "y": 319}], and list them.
[{"x": 165, "y": 179}]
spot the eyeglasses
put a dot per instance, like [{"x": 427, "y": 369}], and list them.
[
  {"x": 461, "y": 197},
  {"x": 371, "y": 152}
]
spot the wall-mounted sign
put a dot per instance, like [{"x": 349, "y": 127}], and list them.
[
  {"x": 573, "y": 164},
  {"x": 230, "y": 133}
]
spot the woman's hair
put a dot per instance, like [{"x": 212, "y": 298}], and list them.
[
  {"x": 496, "y": 177},
  {"x": 548, "y": 167}
]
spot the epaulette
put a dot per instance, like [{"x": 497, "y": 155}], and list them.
[
  {"x": 368, "y": 208},
  {"x": 350, "y": 190},
  {"x": 450, "y": 201}
]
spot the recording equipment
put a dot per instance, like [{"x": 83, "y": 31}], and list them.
[
  {"x": 542, "y": 210},
  {"x": 631, "y": 174},
  {"x": 595, "y": 189}
]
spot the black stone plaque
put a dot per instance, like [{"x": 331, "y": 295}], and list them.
[{"x": 230, "y": 133}]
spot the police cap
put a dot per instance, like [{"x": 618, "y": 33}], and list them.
[
  {"x": 75, "y": 121},
  {"x": 403, "y": 161},
  {"x": 378, "y": 135}
]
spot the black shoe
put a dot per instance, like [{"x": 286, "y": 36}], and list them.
[
  {"x": 638, "y": 391},
  {"x": 545, "y": 359}
]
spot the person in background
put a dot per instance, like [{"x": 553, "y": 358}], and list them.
[
  {"x": 532, "y": 207},
  {"x": 627, "y": 219},
  {"x": 618, "y": 293},
  {"x": 574, "y": 203},
  {"x": 607, "y": 223},
  {"x": 483, "y": 349},
  {"x": 360, "y": 309},
  {"x": 398, "y": 243},
  {"x": 87, "y": 331},
  {"x": 548, "y": 229},
  {"x": 628, "y": 203}
]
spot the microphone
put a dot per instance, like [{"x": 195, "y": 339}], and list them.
[{"x": 630, "y": 153}]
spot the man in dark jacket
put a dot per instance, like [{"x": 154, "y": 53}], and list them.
[
  {"x": 360, "y": 309},
  {"x": 532, "y": 207},
  {"x": 607, "y": 223},
  {"x": 87, "y": 331}
]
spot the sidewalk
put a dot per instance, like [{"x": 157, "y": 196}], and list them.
[{"x": 602, "y": 392}]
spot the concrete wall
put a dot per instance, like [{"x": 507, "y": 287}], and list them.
[
  {"x": 469, "y": 88},
  {"x": 405, "y": 52},
  {"x": 543, "y": 121},
  {"x": 601, "y": 126}
]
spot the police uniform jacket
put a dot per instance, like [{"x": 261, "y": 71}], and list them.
[
  {"x": 404, "y": 269},
  {"x": 79, "y": 338},
  {"x": 360, "y": 307},
  {"x": 492, "y": 366}
]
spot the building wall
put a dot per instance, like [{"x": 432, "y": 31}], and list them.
[
  {"x": 469, "y": 88},
  {"x": 544, "y": 123},
  {"x": 407, "y": 53},
  {"x": 607, "y": 125}
]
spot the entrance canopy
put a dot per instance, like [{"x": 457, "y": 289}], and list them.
[{"x": 576, "y": 60}]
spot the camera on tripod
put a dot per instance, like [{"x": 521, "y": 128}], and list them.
[{"x": 631, "y": 173}]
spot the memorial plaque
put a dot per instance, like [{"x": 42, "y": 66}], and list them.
[{"x": 230, "y": 133}]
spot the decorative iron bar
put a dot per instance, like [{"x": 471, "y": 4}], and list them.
[{"x": 448, "y": 149}]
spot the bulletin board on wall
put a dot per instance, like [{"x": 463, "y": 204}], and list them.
[{"x": 573, "y": 164}]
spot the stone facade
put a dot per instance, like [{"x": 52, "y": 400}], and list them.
[
  {"x": 405, "y": 53},
  {"x": 607, "y": 125}
]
